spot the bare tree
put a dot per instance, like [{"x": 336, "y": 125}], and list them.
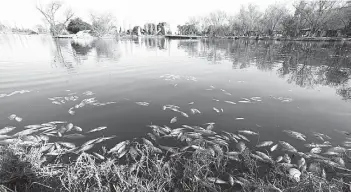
[
  {"x": 50, "y": 13},
  {"x": 273, "y": 17},
  {"x": 249, "y": 18},
  {"x": 102, "y": 24},
  {"x": 318, "y": 13}
]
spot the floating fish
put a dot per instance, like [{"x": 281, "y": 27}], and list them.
[
  {"x": 264, "y": 144},
  {"x": 230, "y": 102},
  {"x": 191, "y": 103},
  {"x": 143, "y": 103},
  {"x": 58, "y": 122},
  {"x": 296, "y": 135},
  {"x": 215, "y": 109},
  {"x": 244, "y": 101},
  {"x": 18, "y": 119},
  {"x": 239, "y": 118},
  {"x": 99, "y": 156},
  {"x": 194, "y": 111},
  {"x": 184, "y": 114},
  {"x": 97, "y": 129},
  {"x": 6, "y": 129},
  {"x": 56, "y": 103},
  {"x": 274, "y": 147},
  {"x": 74, "y": 136},
  {"x": 173, "y": 120},
  {"x": 243, "y": 137},
  {"x": 215, "y": 100},
  {"x": 12, "y": 117},
  {"x": 279, "y": 159},
  {"x": 248, "y": 132},
  {"x": 287, "y": 147},
  {"x": 76, "y": 128}
]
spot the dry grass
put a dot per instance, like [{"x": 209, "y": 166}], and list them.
[{"x": 25, "y": 169}]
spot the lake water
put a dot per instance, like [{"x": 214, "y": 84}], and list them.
[{"x": 312, "y": 79}]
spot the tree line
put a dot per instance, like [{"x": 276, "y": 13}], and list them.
[{"x": 308, "y": 18}]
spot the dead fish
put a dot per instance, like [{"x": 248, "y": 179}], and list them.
[
  {"x": 239, "y": 118},
  {"x": 337, "y": 149},
  {"x": 92, "y": 141},
  {"x": 222, "y": 110},
  {"x": 248, "y": 132},
  {"x": 241, "y": 146},
  {"x": 316, "y": 150},
  {"x": 33, "y": 126},
  {"x": 18, "y": 119},
  {"x": 56, "y": 102},
  {"x": 97, "y": 129},
  {"x": 85, "y": 148},
  {"x": 69, "y": 126},
  {"x": 244, "y": 101},
  {"x": 74, "y": 136},
  {"x": 215, "y": 100},
  {"x": 243, "y": 137},
  {"x": 256, "y": 98},
  {"x": 67, "y": 144},
  {"x": 264, "y": 156},
  {"x": 256, "y": 157},
  {"x": 210, "y": 127},
  {"x": 286, "y": 146},
  {"x": 264, "y": 144},
  {"x": 295, "y": 174},
  {"x": 76, "y": 128},
  {"x": 58, "y": 122},
  {"x": 143, "y": 103},
  {"x": 279, "y": 159},
  {"x": 25, "y": 132},
  {"x": 191, "y": 103},
  {"x": 184, "y": 114},
  {"x": 119, "y": 146},
  {"x": 6, "y": 129},
  {"x": 215, "y": 109},
  {"x": 216, "y": 180},
  {"x": 12, "y": 117},
  {"x": 317, "y": 145},
  {"x": 274, "y": 147},
  {"x": 148, "y": 143},
  {"x": 296, "y": 135},
  {"x": 169, "y": 149},
  {"x": 194, "y": 111},
  {"x": 173, "y": 120},
  {"x": 101, "y": 139},
  {"x": 99, "y": 156},
  {"x": 4, "y": 137},
  {"x": 230, "y": 102},
  {"x": 71, "y": 112}
]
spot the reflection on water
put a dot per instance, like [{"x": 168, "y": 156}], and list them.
[{"x": 305, "y": 64}]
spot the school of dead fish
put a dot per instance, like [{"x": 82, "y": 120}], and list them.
[{"x": 202, "y": 138}]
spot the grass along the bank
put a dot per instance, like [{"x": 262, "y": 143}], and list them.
[{"x": 143, "y": 166}]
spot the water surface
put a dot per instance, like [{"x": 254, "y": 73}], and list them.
[{"x": 313, "y": 78}]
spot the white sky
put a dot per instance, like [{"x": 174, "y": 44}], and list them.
[{"x": 128, "y": 12}]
